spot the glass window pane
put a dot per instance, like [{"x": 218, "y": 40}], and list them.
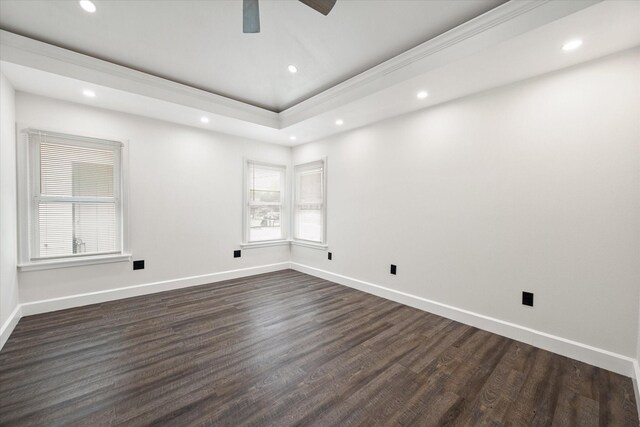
[
  {"x": 309, "y": 224},
  {"x": 77, "y": 228},
  {"x": 55, "y": 221},
  {"x": 265, "y": 184},
  {"x": 67, "y": 170},
  {"x": 95, "y": 226},
  {"x": 92, "y": 179},
  {"x": 264, "y": 223},
  {"x": 310, "y": 186}
]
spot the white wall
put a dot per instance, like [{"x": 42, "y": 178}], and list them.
[
  {"x": 185, "y": 201},
  {"x": 8, "y": 242},
  {"x": 534, "y": 186}
]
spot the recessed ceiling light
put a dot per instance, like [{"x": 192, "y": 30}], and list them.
[
  {"x": 293, "y": 138},
  {"x": 87, "y": 5},
  {"x": 339, "y": 122},
  {"x": 204, "y": 119},
  {"x": 572, "y": 45},
  {"x": 292, "y": 69},
  {"x": 422, "y": 94},
  {"x": 89, "y": 93}
]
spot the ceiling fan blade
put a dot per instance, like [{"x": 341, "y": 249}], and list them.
[
  {"x": 250, "y": 16},
  {"x": 322, "y": 6}
]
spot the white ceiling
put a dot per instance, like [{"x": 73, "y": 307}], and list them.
[
  {"x": 201, "y": 44},
  {"x": 515, "y": 41}
]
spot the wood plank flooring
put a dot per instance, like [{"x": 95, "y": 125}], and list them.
[{"x": 283, "y": 349}]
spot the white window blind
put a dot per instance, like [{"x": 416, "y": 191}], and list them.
[
  {"x": 75, "y": 204},
  {"x": 309, "y": 217},
  {"x": 265, "y": 202}
]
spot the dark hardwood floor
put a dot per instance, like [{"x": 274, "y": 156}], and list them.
[{"x": 284, "y": 349}]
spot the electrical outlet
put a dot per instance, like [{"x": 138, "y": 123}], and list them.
[
  {"x": 236, "y": 254},
  {"x": 329, "y": 256},
  {"x": 138, "y": 265},
  {"x": 527, "y": 298},
  {"x": 393, "y": 269}
]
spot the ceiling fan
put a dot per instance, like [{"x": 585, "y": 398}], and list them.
[{"x": 251, "y": 12}]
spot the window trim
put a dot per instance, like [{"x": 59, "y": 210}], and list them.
[
  {"x": 304, "y": 242},
  {"x": 49, "y": 264},
  {"x": 284, "y": 205},
  {"x": 28, "y": 189}
]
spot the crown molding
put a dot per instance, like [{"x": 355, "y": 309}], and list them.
[
  {"x": 46, "y": 57},
  {"x": 498, "y": 25}
]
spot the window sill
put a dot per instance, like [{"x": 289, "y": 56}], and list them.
[
  {"x": 73, "y": 262},
  {"x": 302, "y": 243},
  {"x": 312, "y": 245},
  {"x": 265, "y": 244}
]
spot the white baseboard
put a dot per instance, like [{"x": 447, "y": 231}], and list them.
[
  {"x": 9, "y": 325},
  {"x": 636, "y": 383},
  {"x": 583, "y": 352},
  {"x": 54, "y": 304}
]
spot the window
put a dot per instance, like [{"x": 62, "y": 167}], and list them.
[
  {"x": 310, "y": 190},
  {"x": 265, "y": 215},
  {"x": 75, "y": 205}
]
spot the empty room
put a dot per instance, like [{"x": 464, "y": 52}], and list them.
[{"x": 319, "y": 213}]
